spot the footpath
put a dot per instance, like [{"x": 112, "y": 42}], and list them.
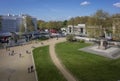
[{"x": 15, "y": 67}]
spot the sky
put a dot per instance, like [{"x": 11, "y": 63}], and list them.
[{"x": 58, "y": 9}]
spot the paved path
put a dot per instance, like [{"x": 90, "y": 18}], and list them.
[
  {"x": 112, "y": 52},
  {"x": 14, "y": 68}
]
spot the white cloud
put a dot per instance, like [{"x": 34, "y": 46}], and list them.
[
  {"x": 84, "y": 3},
  {"x": 117, "y": 4}
]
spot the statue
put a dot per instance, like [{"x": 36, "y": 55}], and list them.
[{"x": 103, "y": 44}]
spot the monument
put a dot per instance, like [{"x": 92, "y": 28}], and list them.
[
  {"x": 103, "y": 44},
  {"x": 103, "y": 49}
]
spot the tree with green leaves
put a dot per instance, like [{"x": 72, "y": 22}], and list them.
[
  {"x": 41, "y": 24},
  {"x": 101, "y": 16},
  {"x": 22, "y": 27},
  {"x": 30, "y": 24},
  {"x": 65, "y": 22},
  {"x": 100, "y": 22},
  {"x": 116, "y": 28}
]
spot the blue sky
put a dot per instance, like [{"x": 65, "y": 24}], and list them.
[{"x": 58, "y": 9}]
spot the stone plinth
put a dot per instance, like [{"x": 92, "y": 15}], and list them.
[{"x": 102, "y": 44}]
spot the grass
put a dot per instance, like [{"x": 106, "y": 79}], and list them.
[
  {"x": 86, "y": 66},
  {"x": 46, "y": 70}
]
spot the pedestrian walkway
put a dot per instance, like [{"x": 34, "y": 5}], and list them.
[
  {"x": 111, "y": 52},
  {"x": 15, "y": 67},
  {"x": 64, "y": 71}
]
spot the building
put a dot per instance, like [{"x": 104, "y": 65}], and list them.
[
  {"x": 12, "y": 23},
  {"x": 80, "y": 29}
]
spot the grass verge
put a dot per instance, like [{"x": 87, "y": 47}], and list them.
[
  {"x": 46, "y": 70},
  {"x": 86, "y": 66}
]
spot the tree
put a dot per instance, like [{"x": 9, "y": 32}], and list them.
[
  {"x": 101, "y": 14},
  {"x": 54, "y": 24},
  {"x": 59, "y": 24},
  {"x": 22, "y": 28},
  {"x": 101, "y": 17},
  {"x": 116, "y": 15},
  {"x": 100, "y": 21},
  {"x": 41, "y": 24},
  {"x": 78, "y": 20},
  {"x": 71, "y": 21},
  {"x": 116, "y": 28},
  {"x": 91, "y": 21},
  {"x": 30, "y": 24},
  {"x": 65, "y": 23}
]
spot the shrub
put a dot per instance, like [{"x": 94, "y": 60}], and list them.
[
  {"x": 70, "y": 38},
  {"x": 82, "y": 41}
]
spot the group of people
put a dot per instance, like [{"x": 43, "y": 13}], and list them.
[
  {"x": 28, "y": 52},
  {"x": 12, "y": 53},
  {"x": 30, "y": 69}
]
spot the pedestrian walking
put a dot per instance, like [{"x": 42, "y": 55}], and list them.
[
  {"x": 57, "y": 37},
  {"x": 28, "y": 70},
  {"x": 26, "y": 51},
  {"x": 20, "y": 55},
  {"x": 9, "y": 54},
  {"x": 12, "y": 51},
  {"x": 31, "y": 68},
  {"x": 41, "y": 43}
]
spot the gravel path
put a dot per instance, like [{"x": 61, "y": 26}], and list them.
[{"x": 15, "y": 68}]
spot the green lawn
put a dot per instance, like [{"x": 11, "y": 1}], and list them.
[
  {"x": 46, "y": 70},
  {"x": 86, "y": 66}
]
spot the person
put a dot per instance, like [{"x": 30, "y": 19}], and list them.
[
  {"x": 57, "y": 37},
  {"x": 13, "y": 51},
  {"x": 26, "y": 51},
  {"x": 41, "y": 43},
  {"x": 31, "y": 68},
  {"x": 9, "y": 54},
  {"x": 28, "y": 70},
  {"x": 20, "y": 55}
]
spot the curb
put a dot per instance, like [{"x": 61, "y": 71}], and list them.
[{"x": 34, "y": 67}]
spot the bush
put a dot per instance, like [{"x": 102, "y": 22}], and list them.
[
  {"x": 70, "y": 38},
  {"x": 82, "y": 41},
  {"x": 43, "y": 38}
]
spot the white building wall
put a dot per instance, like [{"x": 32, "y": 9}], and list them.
[
  {"x": 80, "y": 29},
  {"x": 12, "y": 23},
  {"x": 8, "y": 25}
]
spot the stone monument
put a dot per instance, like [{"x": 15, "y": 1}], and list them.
[{"x": 103, "y": 44}]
